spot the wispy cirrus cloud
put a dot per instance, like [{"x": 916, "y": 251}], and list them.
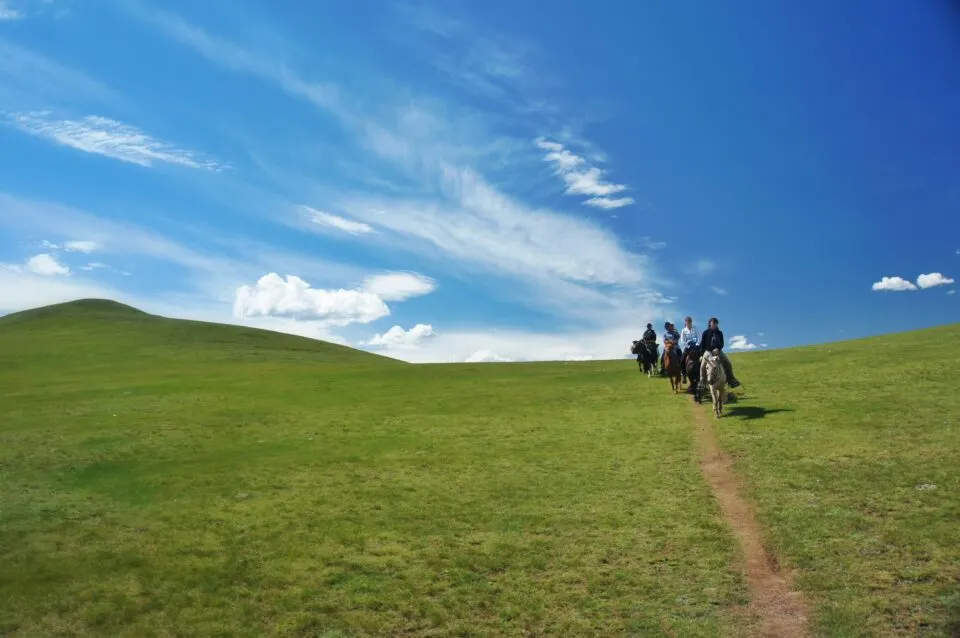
[
  {"x": 609, "y": 203},
  {"x": 581, "y": 178},
  {"x": 453, "y": 212},
  {"x": 398, "y": 286},
  {"x": 29, "y": 80},
  {"x": 336, "y": 222},
  {"x": 103, "y": 136}
]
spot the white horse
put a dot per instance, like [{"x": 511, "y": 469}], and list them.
[{"x": 715, "y": 376}]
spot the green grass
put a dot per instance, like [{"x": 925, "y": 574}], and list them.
[
  {"x": 832, "y": 443},
  {"x": 162, "y": 478},
  {"x": 217, "y": 490}
]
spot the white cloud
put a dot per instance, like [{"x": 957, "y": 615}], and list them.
[
  {"x": 933, "y": 279},
  {"x": 43, "y": 264},
  {"x": 293, "y": 297},
  {"x": 590, "y": 182},
  {"x": 479, "y": 225},
  {"x": 397, "y": 286},
  {"x": 93, "y": 265},
  {"x": 718, "y": 290},
  {"x": 582, "y": 179},
  {"x": 562, "y": 263},
  {"x": 22, "y": 290},
  {"x": 397, "y": 337},
  {"x": 609, "y": 203},
  {"x": 485, "y": 356},
  {"x": 740, "y": 342},
  {"x": 46, "y": 264},
  {"x": 334, "y": 221},
  {"x": 951, "y": 292},
  {"x": 893, "y": 284},
  {"x": 103, "y": 136},
  {"x": 80, "y": 246}
]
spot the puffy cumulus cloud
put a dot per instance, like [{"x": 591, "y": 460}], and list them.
[
  {"x": 740, "y": 342},
  {"x": 397, "y": 337},
  {"x": 43, "y": 264},
  {"x": 933, "y": 279},
  {"x": 46, "y": 264},
  {"x": 486, "y": 356},
  {"x": 398, "y": 286},
  {"x": 293, "y": 298},
  {"x": 893, "y": 284}
]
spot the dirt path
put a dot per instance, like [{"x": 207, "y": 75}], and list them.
[{"x": 780, "y": 610}]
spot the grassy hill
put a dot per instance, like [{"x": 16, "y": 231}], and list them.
[
  {"x": 103, "y": 332},
  {"x": 163, "y": 478}
]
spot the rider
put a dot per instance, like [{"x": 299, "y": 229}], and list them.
[
  {"x": 670, "y": 334},
  {"x": 689, "y": 338},
  {"x": 649, "y": 335},
  {"x": 712, "y": 339}
]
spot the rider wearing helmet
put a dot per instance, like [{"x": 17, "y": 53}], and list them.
[{"x": 712, "y": 339}]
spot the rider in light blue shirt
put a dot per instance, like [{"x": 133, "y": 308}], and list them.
[{"x": 669, "y": 334}]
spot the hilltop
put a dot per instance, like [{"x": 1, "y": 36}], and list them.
[{"x": 112, "y": 331}]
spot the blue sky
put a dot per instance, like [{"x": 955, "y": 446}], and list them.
[{"x": 450, "y": 181}]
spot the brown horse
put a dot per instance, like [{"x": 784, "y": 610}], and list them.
[{"x": 671, "y": 362}]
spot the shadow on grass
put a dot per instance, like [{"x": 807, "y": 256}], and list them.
[{"x": 751, "y": 412}]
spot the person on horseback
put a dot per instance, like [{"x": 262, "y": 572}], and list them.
[
  {"x": 649, "y": 335},
  {"x": 670, "y": 334},
  {"x": 710, "y": 340},
  {"x": 689, "y": 339}
]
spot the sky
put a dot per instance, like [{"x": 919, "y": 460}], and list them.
[{"x": 497, "y": 181}]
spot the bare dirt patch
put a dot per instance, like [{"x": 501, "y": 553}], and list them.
[{"x": 779, "y": 610}]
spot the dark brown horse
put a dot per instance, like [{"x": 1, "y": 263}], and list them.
[{"x": 671, "y": 362}]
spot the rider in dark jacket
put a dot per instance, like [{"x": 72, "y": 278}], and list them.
[
  {"x": 649, "y": 334},
  {"x": 712, "y": 339}
]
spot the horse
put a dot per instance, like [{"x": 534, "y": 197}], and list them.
[
  {"x": 691, "y": 366},
  {"x": 715, "y": 377},
  {"x": 671, "y": 361},
  {"x": 648, "y": 354}
]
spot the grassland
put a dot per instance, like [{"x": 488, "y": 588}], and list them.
[
  {"x": 839, "y": 446},
  {"x": 162, "y": 478},
  {"x": 214, "y": 492}
]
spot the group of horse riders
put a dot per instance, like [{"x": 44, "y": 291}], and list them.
[{"x": 690, "y": 340}]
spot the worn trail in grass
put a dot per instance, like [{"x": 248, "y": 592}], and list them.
[
  {"x": 850, "y": 453},
  {"x": 776, "y": 607}
]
